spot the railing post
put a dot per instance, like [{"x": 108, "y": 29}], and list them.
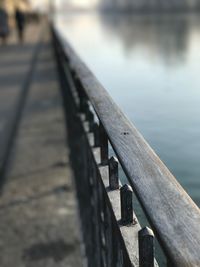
[
  {"x": 83, "y": 105},
  {"x": 96, "y": 135},
  {"x": 90, "y": 117},
  {"x": 103, "y": 145},
  {"x": 146, "y": 247},
  {"x": 120, "y": 260},
  {"x": 126, "y": 197},
  {"x": 113, "y": 173},
  {"x": 97, "y": 220},
  {"x": 103, "y": 233},
  {"x": 109, "y": 233},
  {"x": 91, "y": 207}
]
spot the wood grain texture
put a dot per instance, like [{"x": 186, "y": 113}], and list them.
[{"x": 172, "y": 213}]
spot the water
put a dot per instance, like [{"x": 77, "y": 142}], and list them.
[{"x": 150, "y": 65}]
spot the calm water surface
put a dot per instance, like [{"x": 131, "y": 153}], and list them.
[{"x": 151, "y": 67}]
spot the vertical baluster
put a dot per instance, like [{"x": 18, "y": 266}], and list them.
[
  {"x": 109, "y": 232},
  {"x": 120, "y": 261},
  {"x": 90, "y": 117},
  {"x": 115, "y": 247},
  {"x": 81, "y": 94},
  {"x": 126, "y": 197},
  {"x": 73, "y": 83},
  {"x": 92, "y": 215},
  {"x": 117, "y": 252},
  {"x": 103, "y": 145},
  {"x": 88, "y": 200},
  {"x": 97, "y": 222},
  {"x": 102, "y": 225},
  {"x": 86, "y": 110},
  {"x": 113, "y": 173},
  {"x": 146, "y": 247},
  {"x": 106, "y": 225},
  {"x": 96, "y": 135}
]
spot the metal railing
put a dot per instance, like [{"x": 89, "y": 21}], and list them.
[{"x": 112, "y": 233}]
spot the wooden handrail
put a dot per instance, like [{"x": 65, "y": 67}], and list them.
[{"x": 173, "y": 215}]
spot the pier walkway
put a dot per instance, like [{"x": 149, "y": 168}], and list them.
[
  {"x": 15, "y": 71},
  {"x": 39, "y": 224}
]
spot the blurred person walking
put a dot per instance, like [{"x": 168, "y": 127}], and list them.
[
  {"x": 20, "y": 23},
  {"x": 4, "y": 26}
]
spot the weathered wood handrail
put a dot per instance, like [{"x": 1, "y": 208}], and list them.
[{"x": 173, "y": 215}]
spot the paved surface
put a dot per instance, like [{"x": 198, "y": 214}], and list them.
[
  {"x": 14, "y": 68},
  {"x": 39, "y": 224}
]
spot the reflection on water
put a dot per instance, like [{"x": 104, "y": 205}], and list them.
[
  {"x": 165, "y": 37},
  {"x": 151, "y": 67}
]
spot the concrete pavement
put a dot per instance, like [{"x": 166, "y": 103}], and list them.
[
  {"x": 15, "y": 71},
  {"x": 39, "y": 223}
]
